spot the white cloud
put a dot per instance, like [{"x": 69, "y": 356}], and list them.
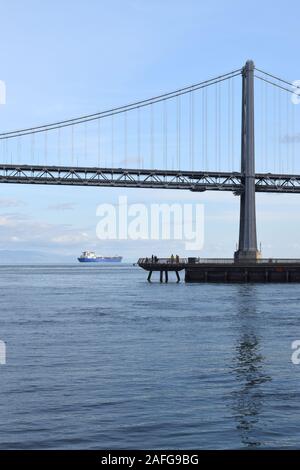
[
  {"x": 64, "y": 206},
  {"x": 71, "y": 238},
  {"x": 9, "y": 202},
  {"x": 15, "y": 239},
  {"x": 7, "y": 221},
  {"x": 26, "y": 231}
]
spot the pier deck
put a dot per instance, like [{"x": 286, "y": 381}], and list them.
[
  {"x": 163, "y": 266},
  {"x": 225, "y": 270}
]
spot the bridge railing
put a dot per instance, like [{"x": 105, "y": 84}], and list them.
[
  {"x": 170, "y": 260},
  {"x": 197, "y": 260},
  {"x": 231, "y": 260},
  {"x": 179, "y": 260},
  {"x": 278, "y": 260}
]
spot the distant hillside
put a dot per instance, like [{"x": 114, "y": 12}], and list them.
[{"x": 31, "y": 256}]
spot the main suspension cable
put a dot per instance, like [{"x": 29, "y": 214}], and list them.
[{"x": 120, "y": 109}]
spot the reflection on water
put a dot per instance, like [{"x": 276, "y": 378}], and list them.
[
  {"x": 249, "y": 370},
  {"x": 100, "y": 359}
]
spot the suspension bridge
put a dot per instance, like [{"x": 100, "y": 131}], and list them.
[{"x": 200, "y": 137}]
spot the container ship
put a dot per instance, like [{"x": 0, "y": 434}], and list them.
[{"x": 91, "y": 257}]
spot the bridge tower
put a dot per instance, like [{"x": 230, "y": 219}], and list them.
[{"x": 247, "y": 248}]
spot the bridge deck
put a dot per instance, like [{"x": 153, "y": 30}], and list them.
[{"x": 144, "y": 178}]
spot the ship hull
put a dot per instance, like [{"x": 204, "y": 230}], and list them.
[{"x": 100, "y": 260}]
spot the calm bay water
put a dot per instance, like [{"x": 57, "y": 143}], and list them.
[{"x": 98, "y": 358}]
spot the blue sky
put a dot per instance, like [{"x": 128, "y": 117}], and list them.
[{"x": 60, "y": 59}]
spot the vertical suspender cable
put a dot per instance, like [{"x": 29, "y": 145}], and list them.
[
  {"x": 112, "y": 140},
  {"x": 203, "y": 129},
  {"x": 266, "y": 129},
  {"x": 229, "y": 124},
  {"x": 139, "y": 136},
  {"x": 3, "y": 149},
  {"x": 274, "y": 146},
  {"x": 46, "y": 147},
  {"x": 18, "y": 150},
  {"x": 125, "y": 139},
  {"x": 72, "y": 145},
  {"x": 287, "y": 135},
  {"x": 99, "y": 141},
  {"x": 192, "y": 130},
  {"x": 58, "y": 145},
  {"x": 206, "y": 129},
  {"x": 166, "y": 134},
  {"x": 219, "y": 124},
  {"x": 262, "y": 117},
  {"x": 151, "y": 136},
  {"x": 279, "y": 132},
  {"x": 293, "y": 138},
  {"x": 85, "y": 143},
  {"x": 232, "y": 123},
  {"x": 178, "y": 131},
  {"x": 32, "y": 147},
  {"x": 216, "y": 126}
]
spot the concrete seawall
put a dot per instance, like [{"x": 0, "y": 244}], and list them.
[{"x": 269, "y": 272}]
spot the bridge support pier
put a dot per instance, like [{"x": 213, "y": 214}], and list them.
[{"x": 247, "y": 249}]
